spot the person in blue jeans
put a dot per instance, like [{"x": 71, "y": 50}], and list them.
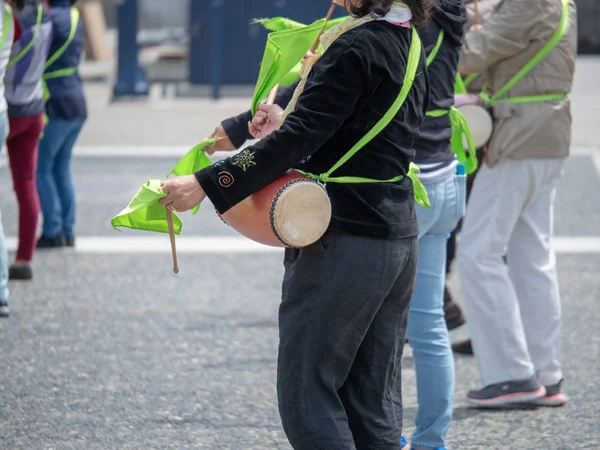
[
  {"x": 445, "y": 180},
  {"x": 66, "y": 112}
]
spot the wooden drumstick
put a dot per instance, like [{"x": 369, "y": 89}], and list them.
[
  {"x": 313, "y": 48},
  {"x": 272, "y": 95},
  {"x": 172, "y": 236},
  {"x": 477, "y": 15}
]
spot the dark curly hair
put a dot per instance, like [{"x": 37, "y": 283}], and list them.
[{"x": 420, "y": 9}]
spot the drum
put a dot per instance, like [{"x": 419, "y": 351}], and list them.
[
  {"x": 479, "y": 119},
  {"x": 292, "y": 211}
]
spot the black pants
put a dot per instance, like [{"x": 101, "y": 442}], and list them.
[{"x": 342, "y": 324}]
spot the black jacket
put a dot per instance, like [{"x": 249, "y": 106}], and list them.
[
  {"x": 433, "y": 145},
  {"x": 348, "y": 90}
]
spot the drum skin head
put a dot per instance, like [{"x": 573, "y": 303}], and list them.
[
  {"x": 480, "y": 123},
  {"x": 300, "y": 213}
]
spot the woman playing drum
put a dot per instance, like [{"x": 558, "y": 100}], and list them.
[{"x": 345, "y": 298}]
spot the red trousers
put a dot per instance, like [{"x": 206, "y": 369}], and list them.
[{"x": 22, "y": 145}]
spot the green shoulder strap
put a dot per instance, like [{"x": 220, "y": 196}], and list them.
[
  {"x": 409, "y": 77},
  {"x": 436, "y": 49},
  {"x": 558, "y": 35},
  {"x": 67, "y": 70},
  {"x": 63, "y": 48},
  {"x": 36, "y": 33},
  {"x": 6, "y": 24}
]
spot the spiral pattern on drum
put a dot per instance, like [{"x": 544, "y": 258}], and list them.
[{"x": 225, "y": 179}]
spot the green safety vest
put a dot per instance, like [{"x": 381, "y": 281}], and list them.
[
  {"x": 61, "y": 72},
  {"x": 458, "y": 123},
  {"x": 29, "y": 46},
  {"x": 67, "y": 70},
  {"x": 36, "y": 33},
  {"x": 7, "y": 24},
  {"x": 420, "y": 192}
]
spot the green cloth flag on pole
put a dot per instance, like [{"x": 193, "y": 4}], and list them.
[
  {"x": 144, "y": 212},
  {"x": 282, "y": 24},
  {"x": 284, "y": 50},
  {"x": 193, "y": 161}
]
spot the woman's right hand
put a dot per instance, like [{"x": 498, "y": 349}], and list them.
[
  {"x": 223, "y": 142},
  {"x": 266, "y": 120}
]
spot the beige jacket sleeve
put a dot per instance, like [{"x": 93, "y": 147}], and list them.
[{"x": 508, "y": 31}]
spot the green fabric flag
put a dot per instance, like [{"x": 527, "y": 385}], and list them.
[
  {"x": 292, "y": 76},
  {"x": 282, "y": 24},
  {"x": 193, "y": 161},
  {"x": 278, "y": 23},
  {"x": 284, "y": 49},
  {"x": 144, "y": 212}
]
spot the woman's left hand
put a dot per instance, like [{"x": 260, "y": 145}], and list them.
[{"x": 183, "y": 193}]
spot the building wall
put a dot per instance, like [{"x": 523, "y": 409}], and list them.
[{"x": 224, "y": 45}]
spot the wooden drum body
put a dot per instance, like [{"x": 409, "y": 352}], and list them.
[
  {"x": 292, "y": 211},
  {"x": 479, "y": 119}
]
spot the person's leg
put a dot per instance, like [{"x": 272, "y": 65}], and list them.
[
  {"x": 4, "y": 292},
  {"x": 451, "y": 307},
  {"x": 372, "y": 394},
  {"x": 427, "y": 333},
  {"x": 22, "y": 147},
  {"x": 50, "y": 145},
  {"x": 64, "y": 180},
  {"x": 491, "y": 305},
  {"x": 331, "y": 293},
  {"x": 532, "y": 267}
]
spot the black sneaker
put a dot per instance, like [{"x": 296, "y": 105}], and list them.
[
  {"x": 554, "y": 396},
  {"x": 507, "y": 393},
  {"x": 51, "y": 242},
  {"x": 463, "y": 347},
  {"x": 4, "y": 311},
  {"x": 70, "y": 241},
  {"x": 452, "y": 312},
  {"x": 20, "y": 273}
]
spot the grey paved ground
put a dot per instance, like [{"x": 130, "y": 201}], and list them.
[{"x": 113, "y": 351}]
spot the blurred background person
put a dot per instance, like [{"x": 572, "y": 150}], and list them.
[
  {"x": 66, "y": 111},
  {"x": 33, "y": 31},
  {"x": 452, "y": 311},
  {"x": 513, "y": 306},
  {"x": 6, "y": 40}
]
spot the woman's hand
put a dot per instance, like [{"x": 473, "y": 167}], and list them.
[
  {"x": 266, "y": 120},
  {"x": 467, "y": 99},
  {"x": 183, "y": 193},
  {"x": 223, "y": 143}
]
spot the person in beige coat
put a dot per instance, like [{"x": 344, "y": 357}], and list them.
[
  {"x": 453, "y": 314},
  {"x": 513, "y": 307}
]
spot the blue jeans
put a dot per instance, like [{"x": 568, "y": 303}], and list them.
[
  {"x": 54, "y": 182},
  {"x": 4, "y": 129},
  {"x": 427, "y": 332}
]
